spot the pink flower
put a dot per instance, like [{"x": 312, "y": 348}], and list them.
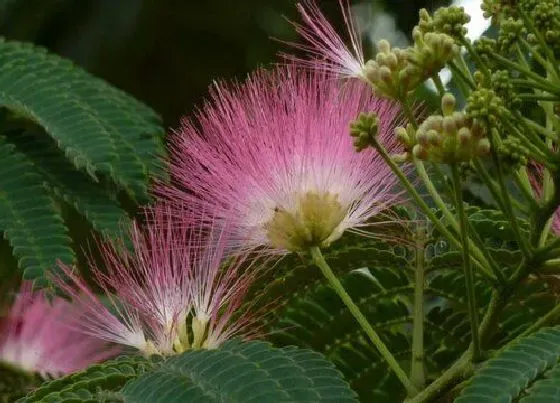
[
  {"x": 536, "y": 178},
  {"x": 325, "y": 44},
  {"x": 170, "y": 292},
  {"x": 37, "y": 337},
  {"x": 274, "y": 157}
]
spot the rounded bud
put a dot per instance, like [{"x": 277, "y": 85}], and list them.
[
  {"x": 381, "y": 58},
  {"x": 448, "y": 124},
  {"x": 392, "y": 61},
  {"x": 448, "y": 102},
  {"x": 401, "y": 158},
  {"x": 423, "y": 138},
  {"x": 483, "y": 146},
  {"x": 459, "y": 118},
  {"x": 383, "y": 46},
  {"x": 371, "y": 71},
  {"x": 434, "y": 138},
  {"x": 402, "y": 135},
  {"x": 417, "y": 35},
  {"x": 420, "y": 152},
  {"x": 464, "y": 135},
  {"x": 385, "y": 74}
]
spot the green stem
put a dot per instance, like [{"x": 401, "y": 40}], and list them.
[
  {"x": 321, "y": 263},
  {"x": 421, "y": 170},
  {"x": 421, "y": 203},
  {"x": 525, "y": 83},
  {"x": 492, "y": 186},
  {"x": 506, "y": 199},
  {"x": 435, "y": 388},
  {"x": 476, "y": 57},
  {"x": 542, "y": 42},
  {"x": 417, "y": 375},
  {"x": 542, "y": 82},
  {"x": 549, "y": 134},
  {"x": 469, "y": 278},
  {"x": 461, "y": 367},
  {"x": 523, "y": 183},
  {"x": 546, "y": 252},
  {"x": 539, "y": 97},
  {"x": 465, "y": 83},
  {"x": 439, "y": 85}
]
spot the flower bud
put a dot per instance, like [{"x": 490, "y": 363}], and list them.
[
  {"x": 383, "y": 46},
  {"x": 483, "y": 146},
  {"x": 448, "y": 104},
  {"x": 420, "y": 152},
  {"x": 464, "y": 135}
]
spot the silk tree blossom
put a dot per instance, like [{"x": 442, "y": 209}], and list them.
[
  {"x": 36, "y": 336},
  {"x": 274, "y": 157},
  {"x": 171, "y": 292},
  {"x": 323, "y": 42},
  {"x": 537, "y": 178}
]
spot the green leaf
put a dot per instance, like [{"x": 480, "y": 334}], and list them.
[
  {"x": 99, "y": 128},
  {"x": 96, "y": 382},
  {"x": 318, "y": 319},
  {"x": 90, "y": 199},
  {"x": 510, "y": 374},
  {"x": 242, "y": 372},
  {"x": 28, "y": 217}
]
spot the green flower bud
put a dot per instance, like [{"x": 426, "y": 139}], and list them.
[
  {"x": 448, "y": 104},
  {"x": 364, "y": 130}
]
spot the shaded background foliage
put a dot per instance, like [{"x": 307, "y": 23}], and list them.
[{"x": 167, "y": 52}]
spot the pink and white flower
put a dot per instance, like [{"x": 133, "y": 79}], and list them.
[
  {"x": 171, "y": 292},
  {"x": 273, "y": 157},
  {"x": 537, "y": 179},
  {"x": 327, "y": 49},
  {"x": 36, "y": 336}
]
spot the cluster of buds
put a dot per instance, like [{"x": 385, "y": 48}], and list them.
[
  {"x": 501, "y": 83},
  {"x": 497, "y": 9},
  {"x": 545, "y": 15},
  {"x": 448, "y": 138},
  {"x": 512, "y": 152},
  {"x": 511, "y": 30},
  {"x": 363, "y": 130},
  {"x": 446, "y": 20},
  {"x": 485, "y": 48},
  {"x": 396, "y": 72},
  {"x": 485, "y": 106}
]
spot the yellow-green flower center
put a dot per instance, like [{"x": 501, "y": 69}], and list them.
[{"x": 315, "y": 222}]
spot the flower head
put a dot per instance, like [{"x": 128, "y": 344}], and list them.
[
  {"x": 537, "y": 178},
  {"x": 274, "y": 157},
  {"x": 330, "y": 51},
  {"x": 172, "y": 291},
  {"x": 36, "y": 336}
]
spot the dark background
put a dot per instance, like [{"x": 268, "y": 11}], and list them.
[{"x": 167, "y": 52}]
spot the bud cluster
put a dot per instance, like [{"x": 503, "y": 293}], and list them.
[
  {"x": 364, "y": 129},
  {"x": 510, "y": 32},
  {"x": 448, "y": 138},
  {"x": 446, "y": 20},
  {"x": 501, "y": 83},
  {"x": 396, "y": 72},
  {"x": 513, "y": 153},
  {"x": 544, "y": 14},
  {"x": 485, "y": 106}
]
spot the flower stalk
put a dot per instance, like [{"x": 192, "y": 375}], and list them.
[
  {"x": 335, "y": 283},
  {"x": 417, "y": 374},
  {"x": 469, "y": 277}
]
